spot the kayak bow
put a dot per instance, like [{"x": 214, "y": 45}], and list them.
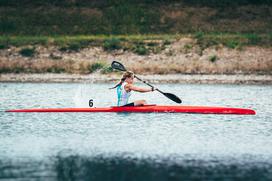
[{"x": 148, "y": 109}]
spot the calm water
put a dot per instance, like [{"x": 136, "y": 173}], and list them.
[{"x": 110, "y": 146}]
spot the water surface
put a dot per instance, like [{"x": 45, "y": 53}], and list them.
[{"x": 135, "y": 146}]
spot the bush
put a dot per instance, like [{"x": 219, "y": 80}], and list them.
[
  {"x": 3, "y": 46},
  {"x": 152, "y": 44},
  {"x": 74, "y": 47},
  {"x": 5, "y": 70},
  {"x": 141, "y": 50},
  {"x": 55, "y": 69},
  {"x": 213, "y": 58},
  {"x": 27, "y": 52},
  {"x": 167, "y": 42},
  {"x": 95, "y": 66},
  {"x": 232, "y": 44},
  {"x": 112, "y": 44},
  {"x": 18, "y": 70},
  {"x": 107, "y": 70}
]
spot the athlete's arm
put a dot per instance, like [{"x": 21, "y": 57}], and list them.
[{"x": 137, "y": 89}]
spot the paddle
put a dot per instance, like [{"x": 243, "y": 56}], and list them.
[{"x": 118, "y": 66}]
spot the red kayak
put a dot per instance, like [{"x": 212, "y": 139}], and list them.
[{"x": 148, "y": 109}]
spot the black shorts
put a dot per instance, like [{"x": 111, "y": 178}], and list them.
[{"x": 129, "y": 105}]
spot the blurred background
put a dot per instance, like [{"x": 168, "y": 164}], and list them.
[{"x": 149, "y": 36}]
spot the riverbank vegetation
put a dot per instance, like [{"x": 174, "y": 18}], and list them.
[
  {"x": 198, "y": 53},
  {"x": 151, "y": 36},
  {"x": 136, "y": 42}
]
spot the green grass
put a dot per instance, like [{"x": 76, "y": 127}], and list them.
[
  {"x": 61, "y": 40},
  {"x": 253, "y": 39},
  {"x": 140, "y": 44},
  {"x": 232, "y": 40}
]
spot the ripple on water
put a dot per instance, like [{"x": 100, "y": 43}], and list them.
[{"x": 164, "y": 145}]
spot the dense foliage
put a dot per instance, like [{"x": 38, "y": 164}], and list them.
[
  {"x": 103, "y": 3},
  {"x": 73, "y": 17}
]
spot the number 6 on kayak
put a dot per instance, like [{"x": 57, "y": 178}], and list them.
[{"x": 118, "y": 66}]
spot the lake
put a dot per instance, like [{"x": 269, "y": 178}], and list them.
[{"x": 134, "y": 146}]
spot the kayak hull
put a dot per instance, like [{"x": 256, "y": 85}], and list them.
[{"x": 149, "y": 109}]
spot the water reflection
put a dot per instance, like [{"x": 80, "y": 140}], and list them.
[{"x": 118, "y": 168}]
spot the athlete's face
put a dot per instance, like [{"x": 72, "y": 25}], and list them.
[{"x": 130, "y": 79}]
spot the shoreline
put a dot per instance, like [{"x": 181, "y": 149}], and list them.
[{"x": 250, "y": 79}]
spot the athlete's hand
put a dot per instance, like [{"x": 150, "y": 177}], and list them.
[{"x": 153, "y": 89}]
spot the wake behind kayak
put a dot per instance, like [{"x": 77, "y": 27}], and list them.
[{"x": 149, "y": 109}]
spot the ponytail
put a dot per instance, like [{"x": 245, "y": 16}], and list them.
[
  {"x": 125, "y": 75},
  {"x": 119, "y": 83}
]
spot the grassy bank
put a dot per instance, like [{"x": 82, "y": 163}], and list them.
[
  {"x": 138, "y": 44},
  {"x": 132, "y": 42},
  {"x": 199, "y": 53},
  {"x": 117, "y": 41},
  {"x": 151, "y": 36}
]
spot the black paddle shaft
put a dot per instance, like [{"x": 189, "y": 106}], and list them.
[
  {"x": 144, "y": 81},
  {"x": 118, "y": 66},
  {"x": 168, "y": 95}
]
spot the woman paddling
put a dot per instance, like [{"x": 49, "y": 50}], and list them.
[{"x": 124, "y": 88}]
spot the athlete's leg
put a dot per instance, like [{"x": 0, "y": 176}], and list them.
[
  {"x": 140, "y": 103},
  {"x": 129, "y": 105},
  {"x": 136, "y": 103}
]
